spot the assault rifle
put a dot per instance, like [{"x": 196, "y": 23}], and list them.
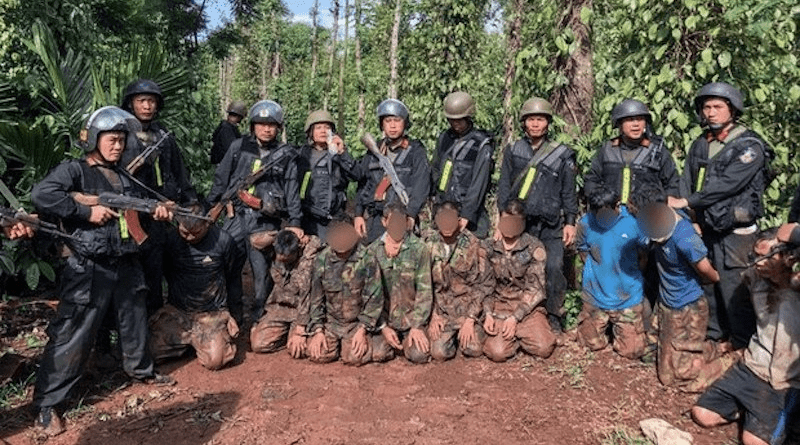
[
  {"x": 10, "y": 217},
  {"x": 147, "y": 154},
  {"x": 238, "y": 189},
  {"x": 131, "y": 206},
  {"x": 386, "y": 164}
]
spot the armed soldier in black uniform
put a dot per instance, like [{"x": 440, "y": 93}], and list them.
[
  {"x": 227, "y": 131},
  {"x": 102, "y": 272},
  {"x": 541, "y": 173},
  {"x": 726, "y": 173},
  {"x": 324, "y": 166},
  {"x": 259, "y": 208},
  {"x": 634, "y": 157},
  {"x": 163, "y": 171},
  {"x": 409, "y": 162},
  {"x": 462, "y": 165}
]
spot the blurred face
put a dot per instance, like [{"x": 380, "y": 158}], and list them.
[
  {"x": 110, "y": 145},
  {"x": 265, "y": 132},
  {"x": 447, "y": 222},
  {"x": 657, "y": 220},
  {"x": 607, "y": 216},
  {"x": 536, "y": 126},
  {"x": 234, "y": 118},
  {"x": 633, "y": 127},
  {"x": 319, "y": 133},
  {"x": 393, "y": 126},
  {"x": 460, "y": 126},
  {"x": 145, "y": 106},
  {"x": 717, "y": 112}
]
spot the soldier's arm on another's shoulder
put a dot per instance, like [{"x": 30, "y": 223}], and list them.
[
  {"x": 420, "y": 187},
  {"x": 748, "y": 163},
  {"x": 291, "y": 190}
]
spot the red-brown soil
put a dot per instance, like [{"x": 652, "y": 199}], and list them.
[{"x": 574, "y": 397}]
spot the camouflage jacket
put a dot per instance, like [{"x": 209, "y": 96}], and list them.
[
  {"x": 462, "y": 277},
  {"x": 406, "y": 282},
  {"x": 520, "y": 278},
  {"x": 344, "y": 292},
  {"x": 288, "y": 300}
]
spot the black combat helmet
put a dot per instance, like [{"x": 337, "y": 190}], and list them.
[
  {"x": 630, "y": 108},
  {"x": 142, "y": 86}
]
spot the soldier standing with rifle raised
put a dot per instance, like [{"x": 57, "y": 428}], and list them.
[
  {"x": 257, "y": 179},
  {"x": 462, "y": 166},
  {"x": 324, "y": 167},
  {"x": 163, "y": 170},
  {"x": 540, "y": 172},
  {"x": 102, "y": 271},
  {"x": 405, "y": 178}
]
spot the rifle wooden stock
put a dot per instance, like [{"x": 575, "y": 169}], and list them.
[{"x": 139, "y": 160}]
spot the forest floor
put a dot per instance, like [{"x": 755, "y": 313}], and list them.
[{"x": 573, "y": 397}]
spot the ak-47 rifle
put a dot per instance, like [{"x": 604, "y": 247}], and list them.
[
  {"x": 131, "y": 206},
  {"x": 239, "y": 189},
  {"x": 147, "y": 154},
  {"x": 386, "y": 164},
  {"x": 9, "y": 217}
]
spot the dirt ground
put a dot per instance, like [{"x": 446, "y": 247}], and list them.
[{"x": 574, "y": 397}]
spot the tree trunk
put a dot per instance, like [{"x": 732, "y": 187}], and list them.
[
  {"x": 513, "y": 43},
  {"x": 398, "y": 9},
  {"x": 362, "y": 109},
  {"x": 332, "y": 51},
  {"x": 314, "y": 45},
  {"x": 573, "y": 101},
  {"x": 342, "y": 63}
]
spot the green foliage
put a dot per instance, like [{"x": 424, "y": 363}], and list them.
[{"x": 14, "y": 393}]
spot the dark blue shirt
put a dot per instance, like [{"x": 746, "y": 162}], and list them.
[{"x": 679, "y": 281}]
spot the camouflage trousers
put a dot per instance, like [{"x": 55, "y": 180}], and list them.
[
  {"x": 383, "y": 352},
  {"x": 339, "y": 341},
  {"x": 534, "y": 336},
  {"x": 270, "y": 335},
  {"x": 627, "y": 326},
  {"x": 173, "y": 332},
  {"x": 686, "y": 360},
  {"x": 447, "y": 345}
]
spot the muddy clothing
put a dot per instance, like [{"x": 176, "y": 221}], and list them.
[
  {"x": 102, "y": 274},
  {"x": 288, "y": 303},
  {"x": 623, "y": 168},
  {"x": 341, "y": 302},
  {"x": 543, "y": 177},
  {"x": 627, "y": 326},
  {"x": 221, "y": 139},
  {"x": 774, "y": 350},
  {"x": 345, "y": 292},
  {"x": 725, "y": 191},
  {"x": 406, "y": 283},
  {"x": 519, "y": 292},
  {"x": 383, "y": 352},
  {"x": 686, "y": 360},
  {"x": 279, "y": 192},
  {"x": 767, "y": 412},
  {"x": 461, "y": 171},
  {"x": 462, "y": 278},
  {"x": 324, "y": 178},
  {"x": 412, "y": 167},
  {"x": 209, "y": 333}
]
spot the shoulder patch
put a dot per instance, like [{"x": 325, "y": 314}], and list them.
[
  {"x": 748, "y": 155},
  {"x": 539, "y": 254}
]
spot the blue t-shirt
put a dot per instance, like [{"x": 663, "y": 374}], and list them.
[
  {"x": 679, "y": 281},
  {"x": 611, "y": 276}
]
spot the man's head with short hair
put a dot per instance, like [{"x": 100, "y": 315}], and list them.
[
  {"x": 342, "y": 236},
  {"x": 287, "y": 247},
  {"x": 395, "y": 220},
  {"x": 447, "y": 216},
  {"x": 512, "y": 220},
  {"x": 192, "y": 230},
  {"x": 656, "y": 218},
  {"x": 604, "y": 205}
]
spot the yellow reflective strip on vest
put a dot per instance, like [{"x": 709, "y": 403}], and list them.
[
  {"x": 159, "y": 181},
  {"x": 626, "y": 185},
  {"x": 123, "y": 227},
  {"x": 526, "y": 185},
  {"x": 256, "y": 166},
  {"x": 448, "y": 168},
  {"x": 701, "y": 178},
  {"x": 304, "y": 186}
]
